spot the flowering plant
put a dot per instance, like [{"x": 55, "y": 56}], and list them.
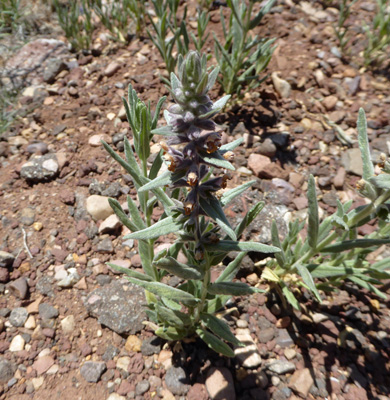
[{"x": 193, "y": 198}]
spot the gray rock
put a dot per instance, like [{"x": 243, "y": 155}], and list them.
[
  {"x": 119, "y": 306},
  {"x": 150, "y": 346},
  {"x": 176, "y": 380},
  {"x": 110, "y": 353},
  {"x": 142, "y": 387},
  {"x": 92, "y": 370},
  {"x": 37, "y": 148},
  {"x": 352, "y": 161},
  {"x": 105, "y": 246},
  {"x": 27, "y": 216},
  {"x": 281, "y": 367},
  {"x": 40, "y": 168},
  {"x": 47, "y": 311},
  {"x": 19, "y": 287},
  {"x": 266, "y": 335},
  {"x": 267, "y": 148},
  {"x": 45, "y": 286},
  {"x": 284, "y": 339},
  {"x": 18, "y": 316},
  {"x": 6, "y": 370},
  {"x": 6, "y": 259},
  {"x": 54, "y": 67}
]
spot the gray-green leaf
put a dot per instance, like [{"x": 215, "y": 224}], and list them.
[
  {"x": 313, "y": 223},
  {"x": 220, "y": 328},
  {"x": 368, "y": 167}
]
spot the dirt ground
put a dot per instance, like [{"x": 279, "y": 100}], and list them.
[{"x": 342, "y": 346}]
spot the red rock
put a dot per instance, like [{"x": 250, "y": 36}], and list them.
[
  {"x": 4, "y": 275},
  {"x": 301, "y": 382},
  {"x": 59, "y": 254},
  {"x": 273, "y": 170},
  {"x": 356, "y": 393},
  {"x": 42, "y": 364},
  {"x": 124, "y": 388},
  {"x": 197, "y": 392},
  {"x": 136, "y": 364},
  {"x": 257, "y": 163},
  {"x": 67, "y": 196},
  {"x": 339, "y": 178},
  {"x": 301, "y": 203}
]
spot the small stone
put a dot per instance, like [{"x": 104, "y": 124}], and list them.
[
  {"x": 175, "y": 379},
  {"x": 290, "y": 353},
  {"x": 115, "y": 396},
  {"x": 105, "y": 246},
  {"x": 19, "y": 288},
  {"x": 37, "y": 226},
  {"x": 330, "y": 102},
  {"x": 18, "y": 316},
  {"x": 99, "y": 207},
  {"x": 67, "y": 196},
  {"x": 252, "y": 279},
  {"x": 17, "y": 343},
  {"x": 220, "y": 384},
  {"x": 110, "y": 224},
  {"x": 257, "y": 163},
  {"x": 70, "y": 280},
  {"x": 266, "y": 335},
  {"x": 133, "y": 344},
  {"x": 6, "y": 370},
  {"x": 151, "y": 345},
  {"x": 92, "y": 370},
  {"x": 281, "y": 367},
  {"x": 96, "y": 140},
  {"x": 248, "y": 355},
  {"x": 42, "y": 364},
  {"x": 339, "y": 178},
  {"x": 267, "y": 148},
  {"x": 47, "y": 311},
  {"x": 68, "y": 324},
  {"x": 282, "y": 87},
  {"x": 6, "y": 259},
  {"x": 123, "y": 363},
  {"x": 4, "y": 275},
  {"x": 142, "y": 387},
  {"x": 301, "y": 382},
  {"x": 27, "y": 216},
  {"x": 40, "y": 168},
  {"x": 30, "y": 323},
  {"x": 352, "y": 161},
  {"x": 37, "y": 382},
  {"x": 112, "y": 69}
]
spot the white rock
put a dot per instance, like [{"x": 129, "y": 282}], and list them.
[
  {"x": 115, "y": 396},
  {"x": 30, "y": 323},
  {"x": 60, "y": 272},
  {"x": 123, "y": 362},
  {"x": 50, "y": 165},
  {"x": 72, "y": 278},
  {"x": 53, "y": 369},
  {"x": 68, "y": 324},
  {"x": 281, "y": 86},
  {"x": 248, "y": 356},
  {"x": 111, "y": 223},
  {"x": 17, "y": 343},
  {"x": 37, "y": 382},
  {"x": 99, "y": 207},
  {"x": 95, "y": 140}
]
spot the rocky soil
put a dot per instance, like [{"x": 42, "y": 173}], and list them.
[{"x": 70, "y": 328}]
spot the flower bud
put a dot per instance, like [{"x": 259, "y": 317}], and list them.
[
  {"x": 192, "y": 178},
  {"x": 213, "y": 142},
  {"x": 229, "y": 156}
]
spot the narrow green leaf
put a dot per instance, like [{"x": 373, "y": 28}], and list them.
[
  {"x": 313, "y": 219},
  {"x": 353, "y": 244},
  {"x": 135, "y": 214},
  {"x": 308, "y": 280},
  {"x": 290, "y": 296},
  {"x": 219, "y": 328},
  {"x": 179, "y": 269},
  {"x": 367, "y": 285},
  {"x": 213, "y": 305},
  {"x": 257, "y": 19},
  {"x": 230, "y": 146},
  {"x": 249, "y": 217},
  {"x": 368, "y": 167},
  {"x": 214, "y": 343},
  {"x": 162, "y": 290},
  {"x": 231, "y": 270},
  {"x": 163, "y": 131},
  {"x": 382, "y": 264},
  {"x": 162, "y": 227},
  {"x": 168, "y": 316},
  {"x": 231, "y": 194},
  {"x": 119, "y": 212},
  {"x": 130, "y": 272},
  {"x": 281, "y": 256},
  {"x": 230, "y": 245},
  {"x": 231, "y": 288},
  {"x": 213, "y": 209},
  {"x": 166, "y": 178},
  {"x": 212, "y": 78},
  {"x": 156, "y": 166},
  {"x": 157, "y": 111},
  {"x": 170, "y": 333},
  {"x": 217, "y": 160}
]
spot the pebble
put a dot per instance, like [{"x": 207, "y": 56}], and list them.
[
  {"x": 98, "y": 207},
  {"x": 42, "y": 364},
  {"x": 248, "y": 356},
  {"x": 92, "y": 370},
  {"x": 115, "y": 396},
  {"x": 40, "y": 168},
  {"x": 6, "y": 259},
  {"x": 68, "y": 324},
  {"x": 95, "y": 140},
  {"x": 27, "y": 216},
  {"x": 284, "y": 339},
  {"x": 17, "y": 343},
  {"x": 70, "y": 280},
  {"x": 37, "y": 148},
  {"x": 6, "y": 370},
  {"x": 301, "y": 382},
  {"x": 47, "y": 311},
  {"x": 133, "y": 344},
  {"x": 18, "y": 316},
  {"x": 282, "y": 87},
  {"x": 281, "y": 367},
  {"x": 123, "y": 363},
  {"x": 220, "y": 384},
  {"x": 19, "y": 288},
  {"x": 352, "y": 161},
  {"x": 174, "y": 379},
  {"x": 290, "y": 353},
  {"x": 267, "y": 148},
  {"x": 105, "y": 246},
  {"x": 110, "y": 224},
  {"x": 142, "y": 387},
  {"x": 151, "y": 345},
  {"x": 257, "y": 163},
  {"x": 30, "y": 323},
  {"x": 112, "y": 69}
]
